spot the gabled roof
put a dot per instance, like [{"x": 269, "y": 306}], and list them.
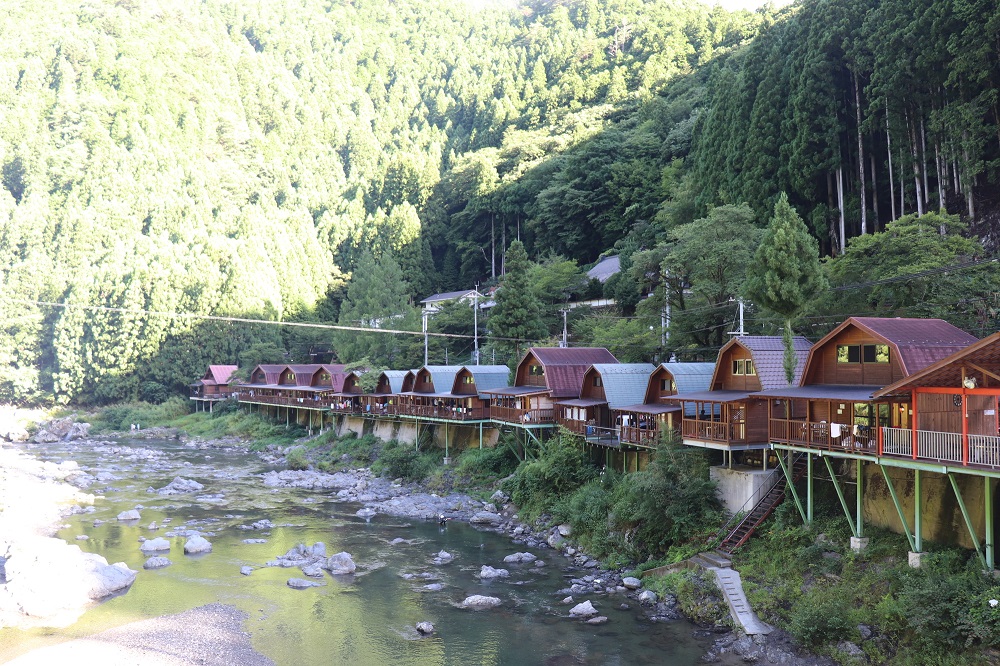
[
  {"x": 271, "y": 372},
  {"x": 768, "y": 354},
  {"x": 689, "y": 377},
  {"x": 442, "y": 376},
  {"x": 605, "y": 268},
  {"x": 450, "y": 296},
  {"x": 218, "y": 374},
  {"x": 917, "y": 343},
  {"x": 985, "y": 354},
  {"x": 486, "y": 377},
  {"x": 624, "y": 383},
  {"x": 395, "y": 379},
  {"x": 565, "y": 366}
]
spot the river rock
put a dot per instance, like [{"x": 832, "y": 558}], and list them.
[
  {"x": 131, "y": 514},
  {"x": 485, "y": 518},
  {"x": 156, "y": 563},
  {"x": 254, "y": 540},
  {"x": 631, "y": 583},
  {"x": 647, "y": 597},
  {"x": 565, "y": 530},
  {"x": 366, "y": 513},
  {"x": 246, "y": 570},
  {"x": 154, "y": 545},
  {"x": 489, "y": 573},
  {"x": 313, "y": 570},
  {"x": 600, "y": 619},
  {"x": 180, "y": 485},
  {"x": 443, "y": 557},
  {"x": 196, "y": 545},
  {"x": 585, "y": 609},
  {"x": 480, "y": 601},
  {"x": 340, "y": 564},
  {"x": 425, "y": 628},
  {"x": 264, "y": 524},
  {"x": 555, "y": 541},
  {"x": 433, "y": 587},
  {"x": 301, "y": 583},
  {"x": 518, "y": 558}
]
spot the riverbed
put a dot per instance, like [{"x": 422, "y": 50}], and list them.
[{"x": 364, "y": 618}]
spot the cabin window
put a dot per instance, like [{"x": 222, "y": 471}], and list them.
[
  {"x": 667, "y": 385},
  {"x": 468, "y": 379},
  {"x": 875, "y": 354},
  {"x": 862, "y": 414},
  {"x": 536, "y": 370},
  {"x": 748, "y": 364},
  {"x": 738, "y": 366},
  {"x": 324, "y": 377},
  {"x": 598, "y": 382},
  {"x": 743, "y": 366},
  {"x": 848, "y": 353}
]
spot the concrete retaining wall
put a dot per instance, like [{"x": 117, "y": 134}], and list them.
[{"x": 737, "y": 486}]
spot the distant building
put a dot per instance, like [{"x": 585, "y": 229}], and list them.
[
  {"x": 434, "y": 303},
  {"x": 604, "y": 269}
]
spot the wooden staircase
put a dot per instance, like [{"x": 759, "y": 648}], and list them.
[{"x": 736, "y": 536}]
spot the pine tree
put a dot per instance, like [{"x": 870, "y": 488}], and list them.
[
  {"x": 785, "y": 273},
  {"x": 517, "y": 313}
]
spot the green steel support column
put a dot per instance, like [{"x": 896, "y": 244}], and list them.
[
  {"x": 968, "y": 521},
  {"x": 286, "y": 418},
  {"x": 899, "y": 510},
  {"x": 840, "y": 496},
  {"x": 480, "y": 434},
  {"x": 918, "y": 513},
  {"x": 809, "y": 489},
  {"x": 988, "y": 494},
  {"x": 791, "y": 486},
  {"x": 445, "y": 440},
  {"x": 860, "y": 498}
]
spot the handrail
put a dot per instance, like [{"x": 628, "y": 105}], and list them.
[{"x": 742, "y": 514}]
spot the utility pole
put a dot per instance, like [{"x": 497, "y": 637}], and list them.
[
  {"x": 475, "y": 326},
  {"x": 740, "y": 330},
  {"x": 565, "y": 342},
  {"x": 425, "y": 336}
]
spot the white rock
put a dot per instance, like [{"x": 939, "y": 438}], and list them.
[
  {"x": 631, "y": 583},
  {"x": 340, "y": 564},
  {"x": 565, "y": 530},
  {"x": 519, "y": 557},
  {"x": 156, "y": 563},
  {"x": 597, "y": 620},
  {"x": 131, "y": 514},
  {"x": 568, "y": 600},
  {"x": 197, "y": 544},
  {"x": 425, "y": 628},
  {"x": 246, "y": 570},
  {"x": 586, "y": 609},
  {"x": 489, "y": 573},
  {"x": 480, "y": 601},
  {"x": 154, "y": 545},
  {"x": 647, "y": 597},
  {"x": 485, "y": 518},
  {"x": 301, "y": 583}
]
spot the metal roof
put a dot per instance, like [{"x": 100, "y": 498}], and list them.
[
  {"x": 847, "y": 393},
  {"x": 689, "y": 377},
  {"x": 654, "y": 408},
  {"x": 624, "y": 383},
  {"x": 516, "y": 390},
  {"x": 711, "y": 396},
  {"x": 582, "y": 402},
  {"x": 450, "y": 296},
  {"x": 487, "y": 377},
  {"x": 605, "y": 268},
  {"x": 395, "y": 379},
  {"x": 218, "y": 374},
  {"x": 271, "y": 372},
  {"x": 442, "y": 376}
]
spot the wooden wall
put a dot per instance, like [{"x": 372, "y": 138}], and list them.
[
  {"x": 725, "y": 380},
  {"x": 824, "y": 368}
]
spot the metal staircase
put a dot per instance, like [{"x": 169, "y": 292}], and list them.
[{"x": 737, "y": 531}]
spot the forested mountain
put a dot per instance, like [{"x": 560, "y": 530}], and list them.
[{"x": 244, "y": 159}]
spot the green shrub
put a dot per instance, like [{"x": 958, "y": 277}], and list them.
[
  {"x": 821, "y": 616},
  {"x": 483, "y": 466},
  {"x": 538, "y": 484},
  {"x": 296, "y": 459},
  {"x": 397, "y": 460}
]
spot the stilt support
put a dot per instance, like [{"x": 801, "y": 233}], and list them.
[
  {"x": 968, "y": 521},
  {"x": 840, "y": 496},
  {"x": 791, "y": 486},
  {"x": 990, "y": 553},
  {"x": 899, "y": 510}
]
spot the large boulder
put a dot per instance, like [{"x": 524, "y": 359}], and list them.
[
  {"x": 518, "y": 558},
  {"x": 197, "y": 544},
  {"x": 486, "y": 518},
  {"x": 586, "y": 609},
  {"x": 489, "y": 573},
  {"x": 340, "y": 564},
  {"x": 631, "y": 583},
  {"x": 425, "y": 628},
  {"x": 180, "y": 485},
  {"x": 131, "y": 514},
  {"x": 154, "y": 545},
  {"x": 302, "y": 583},
  {"x": 156, "y": 563},
  {"x": 77, "y": 431},
  {"x": 480, "y": 601}
]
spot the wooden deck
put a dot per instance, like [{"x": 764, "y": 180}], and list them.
[{"x": 524, "y": 417}]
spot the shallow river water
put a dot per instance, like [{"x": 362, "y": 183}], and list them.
[{"x": 363, "y": 619}]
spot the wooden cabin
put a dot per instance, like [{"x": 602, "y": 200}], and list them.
[
  {"x": 728, "y": 416},
  {"x": 953, "y": 407},
  {"x": 345, "y": 398},
  {"x": 641, "y": 423},
  {"x": 214, "y": 384},
  {"x": 430, "y": 394},
  {"x": 470, "y": 382},
  {"x": 298, "y": 385},
  {"x": 834, "y": 407},
  {"x": 384, "y": 398},
  {"x": 605, "y": 386},
  {"x": 543, "y": 376}
]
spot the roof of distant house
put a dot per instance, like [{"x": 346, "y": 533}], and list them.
[
  {"x": 690, "y": 377},
  {"x": 450, "y": 296},
  {"x": 624, "y": 383},
  {"x": 605, "y": 268},
  {"x": 565, "y": 366},
  {"x": 218, "y": 374}
]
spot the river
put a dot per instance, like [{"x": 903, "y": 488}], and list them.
[{"x": 367, "y": 618}]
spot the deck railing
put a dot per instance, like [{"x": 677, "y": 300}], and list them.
[
  {"x": 946, "y": 447},
  {"x": 579, "y": 427},
  {"x": 522, "y": 416},
  {"x": 713, "y": 431},
  {"x": 636, "y": 435},
  {"x": 446, "y": 413},
  {"x": 820, "y": 435}
]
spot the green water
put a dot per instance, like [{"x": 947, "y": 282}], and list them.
[{"x": 363, "y": 619}]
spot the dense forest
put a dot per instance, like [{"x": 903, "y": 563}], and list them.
[{"x": 306, "y": 161}]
